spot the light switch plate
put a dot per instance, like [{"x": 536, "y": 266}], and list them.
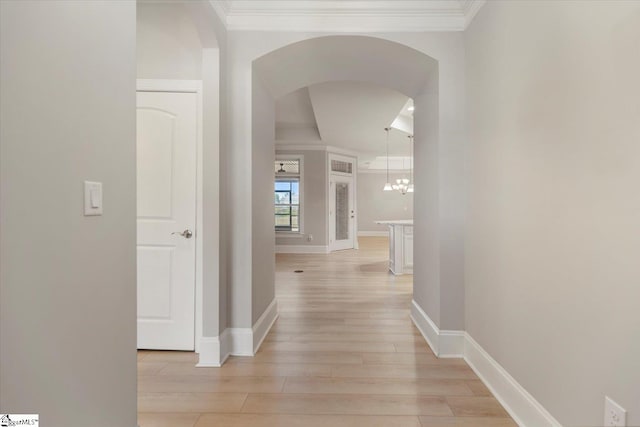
[
  {"x": 92, "y": 198},
  {"x": 614, "y": 414}
]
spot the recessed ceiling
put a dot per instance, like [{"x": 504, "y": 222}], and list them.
[
  {"x": 348, "y": 115},
  {"x": 353, "y": 115}
]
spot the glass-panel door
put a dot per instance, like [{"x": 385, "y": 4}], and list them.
[{"x": 341, "y": 213}]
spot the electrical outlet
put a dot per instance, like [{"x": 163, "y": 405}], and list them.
[
  {"x": 309, "y": 237},
  {"x": 614, "y": 414}
]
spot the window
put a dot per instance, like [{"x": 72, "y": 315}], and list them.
[
  {"x": 287, "y": 195},
  {"x": 288, "y": 205},
  {"x": 340, "y": 166}
]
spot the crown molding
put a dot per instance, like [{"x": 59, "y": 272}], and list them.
[
  {"x": 383, "y": 171},
  {"x": 316, "y": 147},
  {"x": 471, "y": 9},
  {"x": 347, "y": 15}
]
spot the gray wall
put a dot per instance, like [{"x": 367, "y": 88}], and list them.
[
  {"x": 375, "y": 204},
  {"x": 262, "y": 226},
  {"x": 427, "y": 288},
  {"x": 553, "y": 245},
  {"x": 218, "y": 155},
  {"x": 68, "y": 282},
  {"x": 314, "y": 199},
  {"x": 168, "y": 42}
]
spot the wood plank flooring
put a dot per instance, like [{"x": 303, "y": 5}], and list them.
[{"x": 342, "y": 353}]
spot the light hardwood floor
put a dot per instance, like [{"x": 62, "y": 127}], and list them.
[{"x": 342, "y": 353}]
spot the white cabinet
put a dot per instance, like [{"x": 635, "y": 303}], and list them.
[
  {"x": 407, "y": 249},
  {"x": 400, "y": 246}
]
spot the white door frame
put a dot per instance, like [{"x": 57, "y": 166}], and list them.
[
  {"x": 188, "y": 86},
  {"x": 354, "y": 161}
]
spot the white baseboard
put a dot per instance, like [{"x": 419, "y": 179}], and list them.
[
  {"x": 301, "y": 249},
  {"x": 214, "y": 350},
  {"x": 425, "y": 325},
  {"x": 373, "y": 233},
  {"x": 519, "y": 403},
  {"x": 241, "y": 341},
  {"x": 444, "y": 343},
  {"x": 263, "y": 325},
  {"x": 237, "y": 341}
]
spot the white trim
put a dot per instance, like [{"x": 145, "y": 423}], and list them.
[
  {"x": 341, "y": 16},
  {"x": 444, "y": 343},
  {"x": 519, "y": 403},
  {"x": 190, "y": 86},
  {"x": 315, "y": 147},
  {"x": 425, "y": 325},
  {"x": 165, "y": 85},
  {"x": 471, "y": 9},
  {"x": 383, "y": 171},
  {"x": 241, "y": 341},
  {"x": 263, "y": 325},
  {"x": 451, "y": 344},
  {"x": 331, "y": 177},
  {"x": 214, "y": 351},
  {"x": 237, "y": 341},
  {"x": 199, "y": 300},
  {"x": 373, "y": 234},
  {"x": 301, "y": 249}
]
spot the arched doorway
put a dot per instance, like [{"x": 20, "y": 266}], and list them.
[
  {"x": 254, "y": 74},
  {"x": 346, "y": 58}
]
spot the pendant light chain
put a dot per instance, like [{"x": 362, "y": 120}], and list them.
[
  {"x": 387, "y": 185},
  {"x": 387, "y": 130},
  {"x": 410, "y": 186}
]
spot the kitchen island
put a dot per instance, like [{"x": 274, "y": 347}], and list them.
[{"x": 400, "y": 246}]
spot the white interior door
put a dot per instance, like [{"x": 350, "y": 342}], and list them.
[
  {"x": 341, "y": 213},
  {"x": 166, "y": 186}
]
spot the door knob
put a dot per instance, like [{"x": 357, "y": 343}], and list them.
[{"x": 186, "y": 233}]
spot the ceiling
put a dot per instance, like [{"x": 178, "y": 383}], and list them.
[
  {"x": 348, "y": 115},
  {"x": 347, "y": 15}
]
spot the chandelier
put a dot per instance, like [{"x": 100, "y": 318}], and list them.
[{"x": 403, "y": 185}]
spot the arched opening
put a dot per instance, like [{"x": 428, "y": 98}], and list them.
[{"x": 356, "y": 59}]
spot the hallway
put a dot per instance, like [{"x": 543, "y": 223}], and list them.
[{"x": 343, "y": 352}]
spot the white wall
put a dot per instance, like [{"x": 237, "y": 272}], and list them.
[
  {"x": 314, "y": 209},
  {"x": 553, "y": 243},
  {"x": 375, "y": 204},
  {"x": 68, "y": 282}
]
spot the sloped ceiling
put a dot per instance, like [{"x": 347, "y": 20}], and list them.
[
  {"x": 349, "y": 115},
  {"x": 353, "y": 115},
  {"x": 295, "y": 120}
]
